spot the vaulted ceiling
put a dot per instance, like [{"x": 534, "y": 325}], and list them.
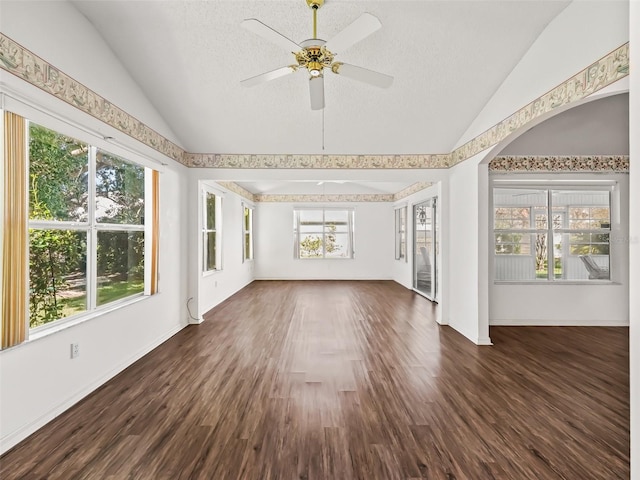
[{"x": 447, "y": 59}]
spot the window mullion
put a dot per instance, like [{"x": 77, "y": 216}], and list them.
[
  {"x": 125, "y": 227},
  {"x": 92, "y": 235},
  {"x": 203, "y": 230},
  {"x": 324, "y": 233},
  {"x": 57, "y": 225},
  {"x": 551, "y": 268}
]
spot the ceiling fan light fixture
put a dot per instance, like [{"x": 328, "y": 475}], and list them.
[{"x": 315, "y": 68}]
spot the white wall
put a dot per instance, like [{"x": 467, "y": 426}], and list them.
[
  {"x": 210, "y": 288},
  {"x": 634, "y": 241},
  {"x": 57, "y": 32},
  {"x": 374, "y": 245},
  {"x": 467, "y": 271},
  {"x": 582, "y": 33},
  {"x": 38, "y": 380},
  {"x": 570, "y": 304}
]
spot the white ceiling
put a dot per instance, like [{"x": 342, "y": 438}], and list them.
[
  {"x": 323, "y": 187},
  {"x": 447, "y": 57}
]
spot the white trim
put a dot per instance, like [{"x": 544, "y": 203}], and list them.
[
  {"x": 313, "y": 278},
  {"x": 147, "y": 228},
  {"x": 91, "y": 227},
  {"x": 552, "y": 184},
  {"x": 556, "y": 323},
  {"x": 218, "y": 227},
  {"x": 351, "y": 252},
  {"x": 245, "y": 206},
  {"x": 13, "y": 438},
  {"x": 520, "y": 181}
]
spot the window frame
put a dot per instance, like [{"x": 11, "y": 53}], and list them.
[
  {"x": 551, "y": 231},
  {"x": 247, "y": 232},
  {"x": 90, "y": 227},
  {"x": 350, "y": 232},
  {"x": 400, "y": 222},
  {"x": 217, "y": 230}
]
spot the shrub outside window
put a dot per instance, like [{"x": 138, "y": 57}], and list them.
[
  {"x": 86, "y": 227},
  {"x": 247, "y": 233},
  {"x": 323, "y": 233}
]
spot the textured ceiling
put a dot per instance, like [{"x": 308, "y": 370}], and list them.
[
  {"x": 324, "y": 187},
  {"x": 447, "y": 57}
]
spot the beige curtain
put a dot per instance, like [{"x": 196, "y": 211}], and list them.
[
  {"x": 155, "y": 231},
  {"x": 15, "y": 232}
]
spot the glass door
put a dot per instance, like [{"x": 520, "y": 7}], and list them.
[{"x": 425, "y": 248}]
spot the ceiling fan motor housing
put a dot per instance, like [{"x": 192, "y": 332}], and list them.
[{"x": 314, "y": 57}]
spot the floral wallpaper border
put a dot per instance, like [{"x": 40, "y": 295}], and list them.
[
  {"x": 416, "y": 187},
  {"x": 603, "y": 72},
  {"x": 561, "y": 163},
  {"x": 26, "y": 65},
  {"x": 206, "y": 160},
  {"x": 237, "y": 189},
  {"x": 377, "y": 197}
]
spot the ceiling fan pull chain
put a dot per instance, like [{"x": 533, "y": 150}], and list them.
[{"x": 323, "y": 129}]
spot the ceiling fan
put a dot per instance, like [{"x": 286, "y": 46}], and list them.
[{"x": 316, "y": 55}]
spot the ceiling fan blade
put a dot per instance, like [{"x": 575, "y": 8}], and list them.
[
  {"x": 316, "y": 89},
  {"x": 360, "y": 29},
  {"x": 265, "y": 77},
  {"x": 268, "y": 33},
  {"x": 362, "y": 75}
]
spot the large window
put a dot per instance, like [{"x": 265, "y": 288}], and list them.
[
  {"x": 552, "y": 234},
  {"x": 211, "y": 231},
  {"x": 86, "y": 227},
  {"x": 323, "y": 233},
  {"x": 247, "y": 233},
  {"x": 401, "y": 233}
]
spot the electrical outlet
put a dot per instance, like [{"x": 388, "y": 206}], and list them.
[
  {"x": 216, "y": 283},
  {"x": 75, "y": 350}
]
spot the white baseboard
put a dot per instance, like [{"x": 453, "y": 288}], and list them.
[
  {"x": 556, "y": 323},
  {"x": 13, "y": 438},
  {"x": 483, "y": 341},
  {"x": 377, "y": 279}
]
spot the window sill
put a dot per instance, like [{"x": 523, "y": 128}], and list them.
[
  {"x": 60, "y": 325},
  {"x": 329, "y": 259},
  {"x": 557, "y": 282},
  {"x": 209, "y": 273}
]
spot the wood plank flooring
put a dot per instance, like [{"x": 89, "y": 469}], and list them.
[{"x": 347, "y": 380}]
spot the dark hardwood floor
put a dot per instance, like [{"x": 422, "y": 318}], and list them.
[{"x": 342, "y": 380}]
